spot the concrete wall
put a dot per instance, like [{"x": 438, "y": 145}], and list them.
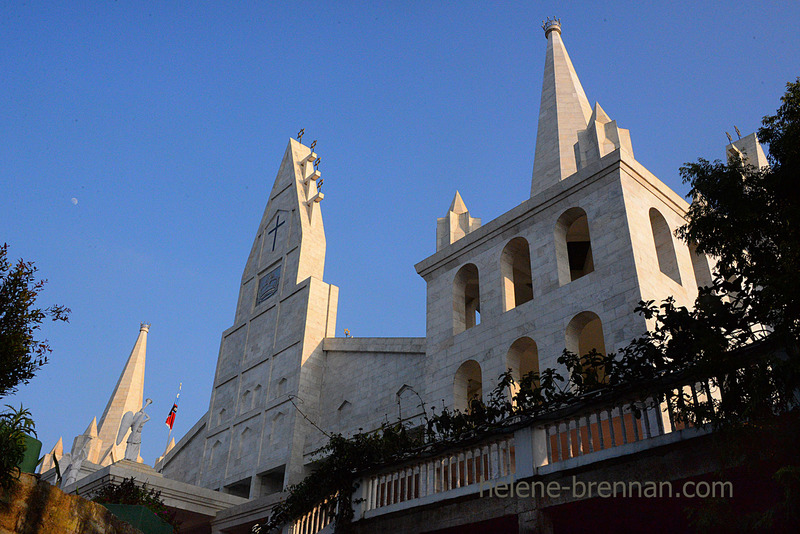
[
  {"x": 273, "y": 350},
  {"x": 643, "y": 192},
  {"x": 361, "y": 380}
]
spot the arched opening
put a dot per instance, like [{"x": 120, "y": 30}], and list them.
[
  {"x": 665, "y": 249},
  {"x": 584, "y": 333},
  {"x": 467, "y": 386},
  {"x": 515, "y": 267},
  {"x": 466, "y": 299},
  {"x": 221, "y": 416},
  {"x": 409, "y": 403},
  {"x": 522, "y": 358},
  {"x": 573, "y": 246},
  {"x": 702, "y": 272}
]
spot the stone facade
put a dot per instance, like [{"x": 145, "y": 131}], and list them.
[{"x": 565, "y": 268}]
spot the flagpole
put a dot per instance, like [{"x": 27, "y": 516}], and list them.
[{"x": 177, "y": 399}]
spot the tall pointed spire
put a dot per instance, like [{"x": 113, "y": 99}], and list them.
[
  {"x": 127, "y": 396},
  {"x": 564, "y": 111}
]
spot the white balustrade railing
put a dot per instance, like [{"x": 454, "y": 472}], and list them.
[
  {"x": 314, "y": 521},
  {"x": 597, "y": 430},
  {"x": 458, "y": 469},
  {"x": 523, "y": 453}
]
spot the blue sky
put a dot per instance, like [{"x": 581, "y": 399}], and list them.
[{"x": 167, "y": 122}]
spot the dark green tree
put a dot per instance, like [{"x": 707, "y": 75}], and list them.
[
  {"x": 749, "y": 219},
  {"x": 744, "y": 330},
  {"x": 21, "y": 353}
]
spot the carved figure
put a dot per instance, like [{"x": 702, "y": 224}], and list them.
[
  {"x": 134, "y": 422},
  {"x": 72, "y": 472}
]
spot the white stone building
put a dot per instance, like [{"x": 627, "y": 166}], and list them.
[{"x": 565, "y": 268}]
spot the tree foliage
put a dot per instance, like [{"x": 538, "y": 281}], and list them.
[
  {"x": 21, "y": 353},
  {"x": 749, "y": 219}
]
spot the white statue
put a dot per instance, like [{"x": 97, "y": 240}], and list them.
[
  {"x": 72, "y": 472},
  {"x": 134, "y": 422}
]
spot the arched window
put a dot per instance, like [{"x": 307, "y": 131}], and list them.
[
  {"x": 584, "y": 333},
  {"x": 702, "y": 272},
  {"x": 665, "y": 249},
  {"x": 467, "y": 386},
  {"x": 409, "y": 403},
  {"x": 515, "y": 267},
  {"x": 522, "y": 358},
  {"x": 466, "y": 299},
  {"x": 573, "y": 246},
  {"x": 221, "y": 416}
]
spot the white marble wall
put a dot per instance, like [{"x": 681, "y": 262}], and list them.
[{"x": 625, "y": 271}]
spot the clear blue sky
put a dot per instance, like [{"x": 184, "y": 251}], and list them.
[{"x": 167, "y": 121}]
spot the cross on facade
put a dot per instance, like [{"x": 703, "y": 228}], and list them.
[{"x": 278, "y": 223}]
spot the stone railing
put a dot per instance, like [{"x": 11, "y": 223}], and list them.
[
  {"x": 571, "y": 437},
  {"x": 491, "y": 460},
  {"x": 593, "y": 429},
  {"x": 579, "y": 436},
  {"x": 632, "y": 423},
  {"x": 314, "y": 521}
]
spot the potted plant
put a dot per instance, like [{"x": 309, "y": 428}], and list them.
[{"x": 19, "y": 444}]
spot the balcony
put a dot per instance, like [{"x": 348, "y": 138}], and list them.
[{"x": 593, "y": 431}]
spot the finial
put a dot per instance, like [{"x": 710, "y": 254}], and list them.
[
  {"x": 144, "y": 327},
  {"x": 549, "y": 25},
  {"x": 730, "y": 139}
]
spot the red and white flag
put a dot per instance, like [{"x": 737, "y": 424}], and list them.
[{"x": 171, "y": 417}]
